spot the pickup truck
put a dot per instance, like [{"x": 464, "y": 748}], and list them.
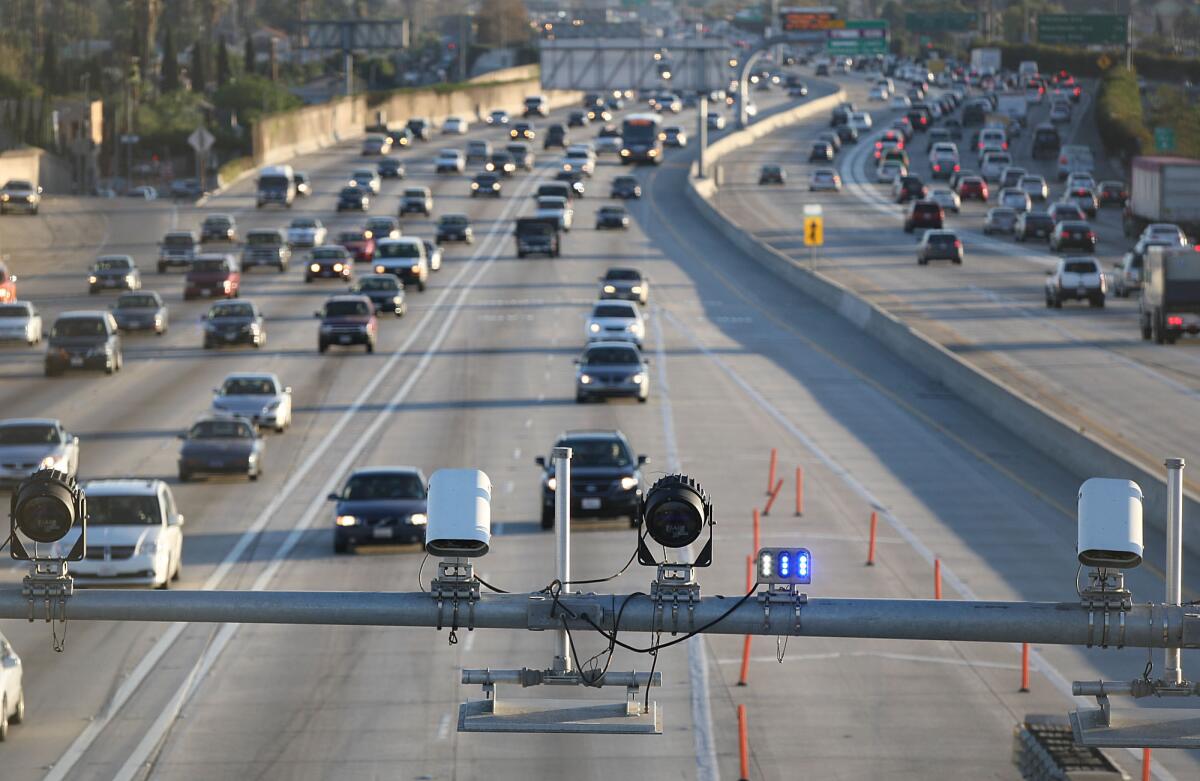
[
  {"x": 1170, "y": 302},
  {"x": 1075, "y": 279},
  {"x": 537, "y": 235}
]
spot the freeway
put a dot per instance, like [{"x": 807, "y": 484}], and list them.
[
  {"x": 1088, "y": 365},
  {"x": 479, "y": 374}
]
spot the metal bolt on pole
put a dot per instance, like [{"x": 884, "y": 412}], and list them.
[
  {"x": 562, "y": 542},
  {"x": 1174, "y": 580}
]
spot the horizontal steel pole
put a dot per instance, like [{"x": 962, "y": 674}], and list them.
[{"x": 1050, "y": 623}]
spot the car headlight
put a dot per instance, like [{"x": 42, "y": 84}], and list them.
[
  {"x": 628, "y": 483},
  {"x": 379, "y": 269},
  {"x": 474, "y": 185},
  {"x": 495, "y": 185},
  {"x": 552, "y": 483},
  {"x": 129, "y": 279},
  {"x": 148, "y": 548},
  {"x": 585, "y": 379},
  {"x": 4, "y": 197},
  {"x": 92, "y": 279},
  {"x": 636, "y": 289},
  {"x": 417, "y": 519},
  {"x": 594, "y": 328},
  {"x": 337, "y": 267},
  {"x": 347, "y": 520},
  {"x": 415, "y": 268},
  {"x": 638, "y": 378},
  {"x": 610, "y": 289},
  {"x": 315, "y": 267}
]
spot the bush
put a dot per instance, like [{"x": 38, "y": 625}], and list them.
[
  {"x": 165, "y": 123},
  {"x": 233, "y": 169},
  {"x": 1119, "y": 118},
  {"x": 252, "y": 96}
]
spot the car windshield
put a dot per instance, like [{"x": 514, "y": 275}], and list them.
[
  {"x": 346, "y": 236},
  {"x": 261, "y": 239},
  {"x": 248, "y": 386},
  {"x": 136, "y": 302},
  {"x": 942, "y": 238},
  {"x": 384, "y": 486},
  {"x": 17, "y": 184},
  {"x": 210, "y": 266},
  {"x": 597, "y": 452},
  {"x": 218, "y": 222},
  {"x": 400, "y": 249},
  {"x": 123, "y": 511},
  {"x": 551, "y": 204},
  {"x": 610, "y": 355},
  {"x": 1080, "y": 267},
  {"x": 334, "y": 253},
  {"x": 221, "y": 429},
  {"x": 113, "y": 264},
  {"x": 455, "y": 220},
  {"x": 80, "y": 326},
  {"x": 351, "y": 192},
  {"x": 624, "y": 274},
  {"x": 304, "y": 222},
  {"x": 28, "y": 434},
  {"x": 379, "y": 283},
  {"x": 231, "y": 310},
  {"x": 414, "y": 193},
  {"x": 612, "y": 311},
  {"x": 346, "y": 308}
]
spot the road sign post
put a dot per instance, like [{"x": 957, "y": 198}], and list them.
[
  {"x": 201, "y": 141},
  {"x": 814, "y": 231}
]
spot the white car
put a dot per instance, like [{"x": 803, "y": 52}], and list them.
[
  {"x": 860, "y": 121},
  {"x": 18, "y": 194},
  {"x": 30, "y": 444},
  {"x": 306, "y": 232},
  {"x": 257, "y": 396},
  {"x": 557, "y": 207},
  {"x": 615, "y": 320},
  {"x": 889, "y": 170},
  {"x": 1076, "y": 279},
  {"x": 20, "y": 322},
  {"x": 716, "y": 120},
  {"x": 368, "y": 178},
  {"x": 901, "y": 102},
  {"x": 12, "y": 688},
  {"x": 608, "y": 145},
  {"x": 450, "y": 161},
  {"x": 878, "y": 93},
  {"x": 1165, "y": 233},
  {"x": 993, "y": 165},
  {"x": 946, "y": 198},
  {"x": 134, "y": 536},
  {"x": 455, "y": 126},
  {"x": 498, "y": 117},
  {"x": 1015, "y": 198},
  {"x": 825, "y": 180}
]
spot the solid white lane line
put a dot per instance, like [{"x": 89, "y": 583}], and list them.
[
  {"x": 150, "y": 661},
  {"x": 1040, "y": 663},
  {"x": 702, "y": 725}
]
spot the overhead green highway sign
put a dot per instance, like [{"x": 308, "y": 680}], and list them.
[
  {"x": 1082, "y": 28},
  {"x": 955, "y": 22}
]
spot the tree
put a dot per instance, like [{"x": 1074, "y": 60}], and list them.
[
  {"x": 199, "y": 73},
  {"x": 503, "y": 23},
  {"x": 50, "y": 64},
  {"x": 170, "y": 63},
  {"x": 222, "y": 62},
  {"x": 250, "y": 56}
]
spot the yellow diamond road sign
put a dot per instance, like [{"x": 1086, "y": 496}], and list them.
[
  {"x": 814, "y": 231},
  {"x": 1104, "y": 61}
]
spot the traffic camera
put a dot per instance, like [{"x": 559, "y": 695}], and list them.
[
  {"x": 674, "y": 513},
  {"x": 44, "y": 509}
]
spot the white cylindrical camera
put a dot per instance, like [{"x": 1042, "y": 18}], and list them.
[
  {"x": 1110, "y": 523},
  {"x": 460, "y": 513}
]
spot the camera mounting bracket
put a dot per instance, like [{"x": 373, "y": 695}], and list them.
[
  {"x": 455, "y": 583},
  {"x": 48, "y": 582},
  {"x": 1106, "y": 593},
  {"x": 675, "y": 585},
  {"x": 786, "y": 595}
]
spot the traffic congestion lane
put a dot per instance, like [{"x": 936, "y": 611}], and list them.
[
  {"x": 128, "y": 424},
  {"x": 1086, "y": 364}
]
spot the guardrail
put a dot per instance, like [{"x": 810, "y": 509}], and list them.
[{"x": 1056, "y": 437}]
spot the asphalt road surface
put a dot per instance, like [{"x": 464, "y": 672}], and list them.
[{"x": 479, "y": 373}]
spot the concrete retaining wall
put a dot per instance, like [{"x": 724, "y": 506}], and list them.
[
  {"x": 1055, "y": 437},
  {"x": 282, "y": 136}
]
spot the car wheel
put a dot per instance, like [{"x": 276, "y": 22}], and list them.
[
  {"x": 111, "y": 366},
  {"x": 547, "y": 517},
  {"x": 177, "y": 574},
  {"x": 921, "y": 261},
  {"x": 370, "y": 346},
  {"x": 580, "y": 398},
  {"x": 18, "y": 716},
  {"x": 184, "y": 475},
  {"x": 1049, "y": 303},
  {"x": 340, "y": 546},
  {"x": 253, "y": 475},
  {"x": 322, "y": 347},
  {"x": 4, "y": 719},
  {"x": 421, "y": 285},
  {"x": 166, "y": 584},
  {"x": 1058, "y": 302},
  {"x": 1156, "y": 329},
  {"x": 308, "y": 280},
  {"x": 162, "y": 268},
  {"x": 643, "y": 399}
]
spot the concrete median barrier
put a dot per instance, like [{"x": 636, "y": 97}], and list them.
[{"x": 1056, "y": 437}]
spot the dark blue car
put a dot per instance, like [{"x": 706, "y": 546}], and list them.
[
  {"x": 221, "y": 445},
  {"x": 381, "y": 504}
]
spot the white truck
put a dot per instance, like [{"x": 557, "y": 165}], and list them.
[
  {"x": 985, "y": 61},
  {"x": 1163, "y": 189},
  {"x": 1013, "y": 105}
]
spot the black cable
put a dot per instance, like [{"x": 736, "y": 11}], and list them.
[
  {"x": 659, "y": 646},
  {"x": 490, "y": 586}
]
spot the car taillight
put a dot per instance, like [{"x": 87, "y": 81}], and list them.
[
  {"x": 879, "y": 145},
  {"x": 1004, "y": 145},
  {"x": 956, "y": 168},
  {"x": 937, "y": 167},
  {"x": 1062, "y": 161},
  {"x": 957, "y": 244},
  {"x": 1175, "y": 320}
]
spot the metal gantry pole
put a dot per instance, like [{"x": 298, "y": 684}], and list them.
[
  {"x": 562, "y": 543},
  {"x": 1174, "y": 579}
]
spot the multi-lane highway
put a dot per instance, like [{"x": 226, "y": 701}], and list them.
[
  {"x": 1089, "y": 365},
  {"x": 479, "y": 373}
]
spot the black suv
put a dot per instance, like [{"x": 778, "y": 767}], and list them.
[
  {"x": 84, "y": 340},
  {"x": 1046, "y": 141},
  {"x": 556, "y": 136},
  {"x": 924, "y": 214},
  {"x": 1033, "y": 225},
  {"x": 626, "y": 187},
  {"x": 606, "y": 477},
  {"x": 234, "y": 322},
  {"x": 382, "y": 504}
]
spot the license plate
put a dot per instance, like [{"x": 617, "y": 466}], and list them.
[
  {"x": 344, "y": 339},
  {"x": 231, "y": 337},
  {"x": 382, "y": 534},
  {"x": 106, "y": 571},
  {"x": 205, "y": 293},
  {"x": 1080, "y": 291},
  {"x": 590, "y": 503},
  {"x": 215, "y": 464},
  {"x": 76, "y": 361}
]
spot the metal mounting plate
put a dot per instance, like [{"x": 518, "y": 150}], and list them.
[
  {"x": 559, "y": 716},
  {"x": 1137, "y": 728}
]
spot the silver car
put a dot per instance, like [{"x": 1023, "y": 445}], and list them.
[
  {"x": 946, "y": 198},
  {"x": 20, "y": 195},
  {"x": 1000, "y": 219},
  {"x": 556, "y": 207},
  {"x": 615, "y": 321},
  {"x": 306, "y": 232},
  {"x": 1015, "y": 198},
  {"x": 366, "y": 179},
  {"x": 1034, "y": 186},
  {"x": 12, "y": 688},
  {"x": 257, "y": 396},
  {"x": 614, "y": 368},
  {"x": 30, "y": 444},
  {"x": 20, "y": 322},
  {"x": 626, "y": 284}
]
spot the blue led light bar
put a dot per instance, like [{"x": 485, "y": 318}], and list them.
[{"x": 784, "y": 565}]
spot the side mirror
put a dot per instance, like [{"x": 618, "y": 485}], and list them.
[
  {"x": 12, "y": 277},
  {"x": 643, "y": 460},
  {"x": 540, "y": 461},
  {"x": 178, "y": 520},
  {"x": 181, "y": 436},
  {"x": 317, "y": 314},
  {"x": 1049, "y": 272},
  {"x": 333, "y": 498},
  {"x": 287, "y": 389}
]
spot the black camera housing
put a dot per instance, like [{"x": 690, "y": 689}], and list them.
[
  {"x": 674, "y": 513},
  {"x": 43, "y": 509}
]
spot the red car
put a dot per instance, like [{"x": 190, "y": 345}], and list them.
[
  {"x": 347, "y": 320},
  {"x": 213, "y": 276},
  {"x": 973, "y": 188},
  {"x": 8, "y": 285},
  {"x": 359, "y": 244}
]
